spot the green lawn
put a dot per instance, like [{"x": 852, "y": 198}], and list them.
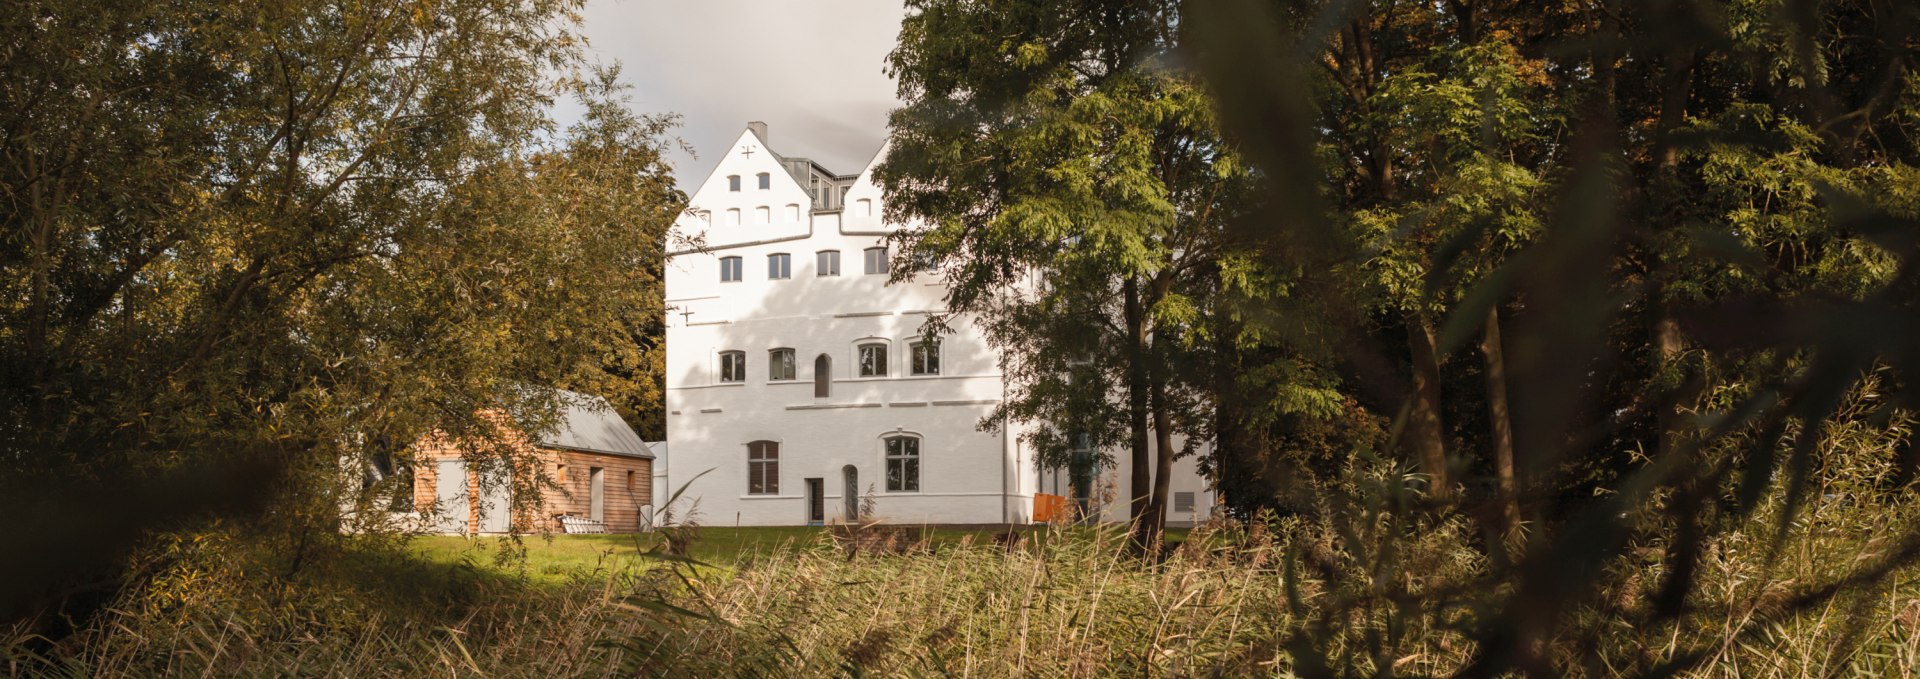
[{"x": 553, "y": 559}]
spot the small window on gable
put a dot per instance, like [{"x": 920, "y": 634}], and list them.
[
  {"x": 876, "y": 260},
  {"x": 793, "y": 212},
  {"x": 826, "y": 263},
  {"x": 780, "y": 365},
  {"x": 733, "y": 182},
  {"x": 766, "y": 180},
  {"x": 865, "y": 207},
  {"x": 733, "y": 216},
  {"x": 762, "y": 215},
  {"x": 706, "y": 218},
  {"x": 730, "y": 268},
  {"x": 733, "y": 366},
  {"x": 873, "y": 359},
  {"x": 779, "y": 266},
  {"x": 925, "y": 359}
]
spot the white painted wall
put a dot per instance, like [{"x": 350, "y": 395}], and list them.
[{"x": 967, "y": 476}]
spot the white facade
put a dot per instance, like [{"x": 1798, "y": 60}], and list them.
[{"x": 722, "y": 420}]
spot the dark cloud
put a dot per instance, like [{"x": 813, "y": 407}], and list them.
[{"x": 812, "y": 70}]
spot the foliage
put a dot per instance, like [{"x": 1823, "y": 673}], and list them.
[
  {"x": 295, "y": 237},
  {"x": 1074, "y": 187}
]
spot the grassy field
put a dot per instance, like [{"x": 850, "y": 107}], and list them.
[
  {"x": 1278, "y": 598},
  {"x": 555, "y": 559}
]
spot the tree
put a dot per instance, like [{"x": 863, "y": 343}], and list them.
[
  {"x": 244, "y": 244},
  {"x": 1053, "y": 146}
]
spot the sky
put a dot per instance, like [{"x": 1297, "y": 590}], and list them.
[{"x": 811, "y": 69}]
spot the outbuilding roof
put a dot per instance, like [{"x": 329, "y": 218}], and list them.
[{"x": 589, "y": 423}]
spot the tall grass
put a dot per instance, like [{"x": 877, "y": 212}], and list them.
[{"x": 1270, "y": 598}]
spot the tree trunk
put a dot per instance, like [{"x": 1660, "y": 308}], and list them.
[
  {"x": 1425, "y": 434},
  {"x": 1162, "y": 458},
  {"x": 1139, "y": 489},
  {"x": 1501, "y": 419}
]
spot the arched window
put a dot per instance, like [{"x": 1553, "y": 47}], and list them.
[
  {"x": 763, "y": 468},
  {"x": 779, "y": 266},
  {"x": 762, "y": 215},
  {"x": 822, "y": 376},
  {"x": 873, "y": 359},
  {"x": 733, "y": 366},
  {"x": 793, "y": 212},
  {"x": 876, "y": 260},
  {"x": 780, "y": 366},
  {"x": 925, "y": 358},
  {"x": 865, "y": 207},
  {"x": 733, "y": 182},
  {"x": 903, "y": 464},
  {"x": 730, "y": 269},
  {"x": 826, "y": 263},
  {"x": 733, "y": 216},
  {"x": 766, "y": 181}
]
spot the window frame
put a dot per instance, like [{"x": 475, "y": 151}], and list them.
[
  {"x": 792, "y": 365},
  {"x": 914, "y": 364},
  {"x": 763, "y": 467},
  {"x": 733, "y": 182},
  {"x": 908, "y": 462},
  {"x": 869, "y": 262},
  {"x": 861, "y": 365},
  {"x": 782, "y": 272},
  {"x": 733, "y": 362},
  {"x": 736, "y": 264},
  {"x": 765, "y": 180},
  {"x": 822, "y": 257}
]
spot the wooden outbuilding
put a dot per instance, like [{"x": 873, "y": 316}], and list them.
[{"x": 604, "y": 474}]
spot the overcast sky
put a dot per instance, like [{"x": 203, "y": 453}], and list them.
[{"x": 812, "y": 69}]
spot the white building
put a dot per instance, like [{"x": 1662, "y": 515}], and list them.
[{"x": 798, "y": 387}]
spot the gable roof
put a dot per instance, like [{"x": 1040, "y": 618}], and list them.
[{"x": 588, "y": 423}]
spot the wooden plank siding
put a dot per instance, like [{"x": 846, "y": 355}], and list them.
[{"x": 629, "y": 484}]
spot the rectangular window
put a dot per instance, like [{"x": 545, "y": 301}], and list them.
[
  {"x": 876, "y": 260},
  {"x": 827, "y": 263},
  {"x": 733, "y": 366},
  {"x": 779, "y": 267},
  {"x": 873, "y": 360},
  {"x": 780, "y": 366},
  {"x": 733, "y": 182},
  {"x": 1183, "y": 501},
  {"x": 926, "y": 358},
  {"x": 765, "y": 181},
  {"x": 763, "y": 468},
  {"x": 903, "y": 464},
  {"x": 730, "y": 268}
]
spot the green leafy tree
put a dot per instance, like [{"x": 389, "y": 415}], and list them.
[
  {"x": 1059, "y": 162},
  {"x": 244, "y": 244}
]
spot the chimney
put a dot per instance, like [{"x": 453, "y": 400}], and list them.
[{"x": 759, "y": 130}]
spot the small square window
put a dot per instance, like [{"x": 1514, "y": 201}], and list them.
[
  {"x": 780, "y": 365},
  {"x": 925, "y": 359},
  {"x": 733, "y": 366},
  {"x": 873, "y": 360}
]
